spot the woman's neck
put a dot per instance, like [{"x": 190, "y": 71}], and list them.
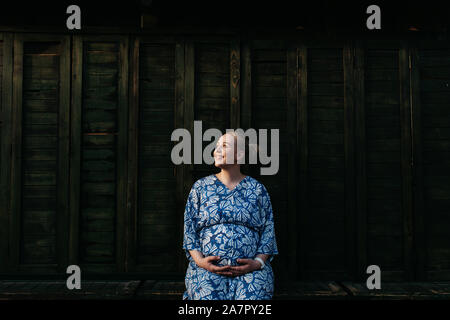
[{"x": 232, "y": 174}]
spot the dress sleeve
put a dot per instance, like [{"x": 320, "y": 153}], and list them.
[
  {"x": 267, "y": 242},
  {"x": 191, "y": 240}
]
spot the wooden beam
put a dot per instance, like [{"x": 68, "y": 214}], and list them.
[
  {"x": 235, "y": 83},
  {"x": 189, "y": 76},
  {"x": 246, "y": 92},
  {"x": 292, "y": 105},
  {"x": 246, "y": 85},
  {"x": 75, "y": 143},
  {"x": 406, "y": 160},
  {"x": 179, "y": 123},
  {"x": 302, "y": 151},
  {"x": 420, "y": 248},
  {"x": 122, "y": 228},
  {"x": 6, "y": 145},
  {"x": 16, "y": 156},
  {"x": 349, "y": 134},
  {"x": 360, "y": 165},
  {"x": 133, "y": 157},
  {"x": 189, "y": 87},
  {"x": 63, "y": 181}
]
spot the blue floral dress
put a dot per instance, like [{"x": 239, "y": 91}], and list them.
[{"x": 232, "y": 224}]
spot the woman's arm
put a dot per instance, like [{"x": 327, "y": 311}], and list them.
[
  {"x": 196, "y": 255},
  {"x": 264, "y": 257}
]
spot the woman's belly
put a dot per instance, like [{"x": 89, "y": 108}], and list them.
[{"x": 230, "y": 242}]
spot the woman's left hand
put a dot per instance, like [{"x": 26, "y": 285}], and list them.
[{"x": 247, "y": 265}]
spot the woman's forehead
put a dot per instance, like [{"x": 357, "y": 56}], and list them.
[{"x": 225, "y": 138}]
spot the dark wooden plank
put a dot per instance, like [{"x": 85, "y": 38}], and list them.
[
  {"x": 155, "y": 149},
  {"x": 189, "y": 89},
  {"x": 312, "y": 290},
  {"x": 179, "y": 123},
  {"x": 292, "y": 105},
  {"x": 302, "y": 147},
  {"x": 62, "y": 238},
  {"x": 246, "y": 90},
  {"x": 235, "y": 83},
  {"x": 155, "y": 152},
  {"x": 16, "y": 132},
  {"x": 104, "y": 133},
  {"x": 122, "y": 221},
  {"x": 161, "y": 290},
  {"x": 75, "y": 155},
  {"x": 360, "y": 159},
  {"x": 349, "y": 150},
  {"x": 406, "y": 160},
  {"x": 4, "y": 197},
  {"x": 6, "y": 112},
  {"x": 133, "y": 161},
  {"x": 420, "y": 252}
]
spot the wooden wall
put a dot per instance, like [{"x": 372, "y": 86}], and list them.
[{"x": 87, "y": 178}]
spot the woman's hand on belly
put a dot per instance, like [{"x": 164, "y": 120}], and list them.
[
  {"x": 207, "y": 264},
  {"x": 247, "y": 265}
]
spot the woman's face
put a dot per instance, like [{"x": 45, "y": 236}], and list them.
[{"x": 225, "y": 150}]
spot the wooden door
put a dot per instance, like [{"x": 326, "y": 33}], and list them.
[
  {"x": 99, "y": 131},
  {"x": 39, "y": 209}
]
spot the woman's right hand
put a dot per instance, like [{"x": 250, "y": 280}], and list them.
[{"x": 207, "y": 264}]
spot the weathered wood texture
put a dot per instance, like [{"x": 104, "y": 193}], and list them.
[
  {"x": 3, "y": 168},
  {"x": 363, "y": 150},
  {"x": 98, "y": 210},
  {"x": 434, "y": 82},
  {"x": 157, "y": 247},
  {"x": 103, "y": 154},
  {"x": 325, "y": 220},
  {"x": 50, "y": 290},
  {"x": 270, "y": 110},
  {"x": 39, "y": 198},
  {"x": 213, "y": 84},
  {"x": 383, "y": 156},
  {"x": 173, "y": 290}
]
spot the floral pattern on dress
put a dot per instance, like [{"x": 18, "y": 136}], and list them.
[{"x": 233, "y": 224}]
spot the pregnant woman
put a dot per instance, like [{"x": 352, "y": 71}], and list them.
[{"x": 229, "y": 235}]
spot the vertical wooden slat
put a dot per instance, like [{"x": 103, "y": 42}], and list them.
[
  {"x": 246, "y": 91},
  {"x": 418, "y": 187},
  {"x": 133, "y": 161},
  {"x": 16, "y": 156},
  {"x": 360, "y": 165},
  {"x": 75, "y": 146},
  {"x": 122, "y": 119},
  {"x": 302, "y": 147},
  {"x": 246, "y": 86},
  {"x": 406, "y": 160},
  {"x": 235, "y": 76},
  {"x": 62, "y": 238},
  {"x": 179, "y": 123},
  {"x": 5, "y": 170},
  {"x": 3, "y": 162},
  {"x": 189, "y": 74},
  {"x": 292, "y": 105},
  {"x": 348, "y": 57}
]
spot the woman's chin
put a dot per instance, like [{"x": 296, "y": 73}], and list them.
[{"x": 218, "y": 162}]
